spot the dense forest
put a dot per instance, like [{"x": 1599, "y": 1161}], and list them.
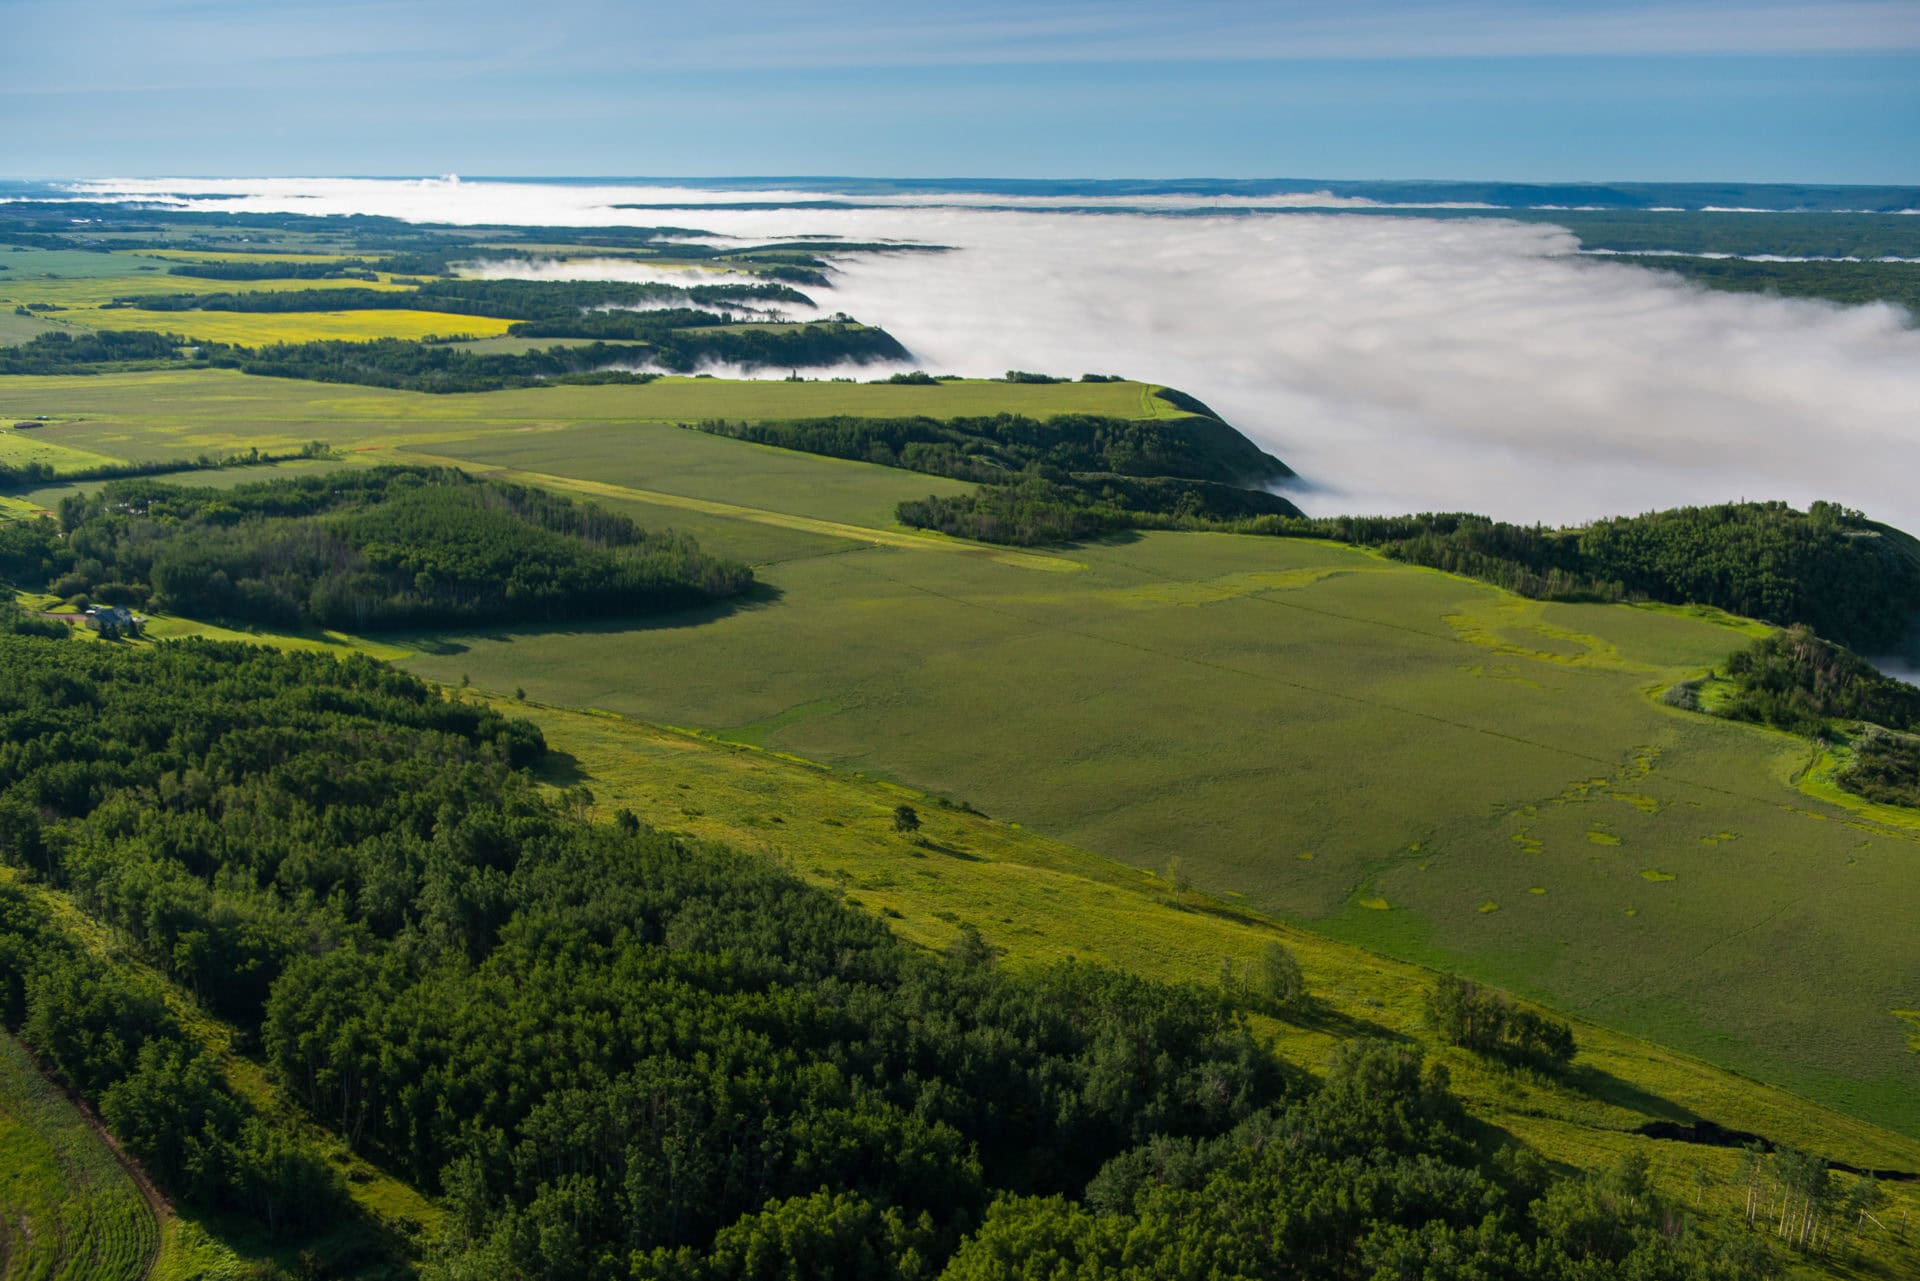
[
  {"x": 683, "y": 339},
  {"x": 1842, "y": 282},
  {"x": 1004, "y": 446},
  {"x": 615, "y": 1053},
  {"x": 361, "y": 550},
  {"x": 1794, "y": 680},
  {"x": 437, "y": 367},
  {"x": 1035, "y": 511},
  {"x": 1067, "y": 477}
]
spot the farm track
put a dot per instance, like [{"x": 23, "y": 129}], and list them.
[{"x": 757, "y": 515}]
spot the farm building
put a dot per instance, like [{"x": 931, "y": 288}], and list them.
[{"x": 115, "y": 617}]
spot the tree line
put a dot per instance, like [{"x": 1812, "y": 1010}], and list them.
[
  {"x": 70, "y": 351},
  {"x": 1795, "y": 681},
  {"x": 1006, "y": 446},
  {"x": 37, "y": 475},
  {"x": 1849, "y": 578}
]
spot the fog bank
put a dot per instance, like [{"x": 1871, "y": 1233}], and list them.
[{"x": 1397, "y": 363}]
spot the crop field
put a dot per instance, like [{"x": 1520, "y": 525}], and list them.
[
  {"x": 1037, "y": 900},
  {"x": 18, "y": 448},
  {"x": 1384, "y": 755},
  {"x": 80, "y": 283},
  {"x": 255, "y": 329},
  {"x": 19, "y": 329},
  {"x": 68, "y": 1211},
  {"x": 170, "y": 413}
]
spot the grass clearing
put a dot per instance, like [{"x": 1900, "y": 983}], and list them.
[{"x": 68, "y": 1210}]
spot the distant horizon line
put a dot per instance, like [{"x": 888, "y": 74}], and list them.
[{"x": 424, "y": 176}]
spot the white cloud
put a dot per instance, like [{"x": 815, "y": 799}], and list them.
[{"x": 1397, "y": 363}]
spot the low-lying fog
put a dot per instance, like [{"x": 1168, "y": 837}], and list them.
[{"x": 1397, "y": 363}]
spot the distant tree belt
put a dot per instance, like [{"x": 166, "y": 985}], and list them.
[
  {"x": 437, "y": 367},
  {"x": 684, "y": 340},
  {"x": 500, "y": 299},
  {"x": 83, "y": 351},
  {"x": 35, "y": 475},
  {"x": 1843, "y": 282},
  {"x": 1002, "y": 447},
  {"x": 1036, "y": 510},
  {"x": 363, "y": 550},
  {"x": 612, "y": 1052},
  {"x": 1848, "y": 578},
  {"x": 350, "y": 269}
]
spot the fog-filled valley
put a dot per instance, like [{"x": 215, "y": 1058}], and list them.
[{"x": 1397, "y": 363}]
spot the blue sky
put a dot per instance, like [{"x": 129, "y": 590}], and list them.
[{"x": 1753, "y": 90}]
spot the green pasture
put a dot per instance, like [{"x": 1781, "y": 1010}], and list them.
[{"x": 1390, "y": 756}]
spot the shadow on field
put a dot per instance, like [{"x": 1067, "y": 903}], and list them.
[
  {"x": 1608, "y": 1088},
  {"x": 560, "y": 769},
  {"x": 951, "y": 851},
  {"x": 446, "y": 645},
  {"x": 1112, "y": 538},
  {"x": 1316, "y": 1015}
]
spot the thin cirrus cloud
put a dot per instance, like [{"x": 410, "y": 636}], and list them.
[
  {"x": 438, "y": 39},
  {"x": 1398, "y": 364},
  {"x": 1232, "y": 30}
]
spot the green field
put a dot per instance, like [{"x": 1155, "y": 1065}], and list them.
[
  {"x": 68, "y": 1210},
  {"x": 1390, "y": 756},
  {"x": 1387, "y": 755}
]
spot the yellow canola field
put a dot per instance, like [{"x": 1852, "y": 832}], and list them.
[{"x": 254, "y": 329}]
